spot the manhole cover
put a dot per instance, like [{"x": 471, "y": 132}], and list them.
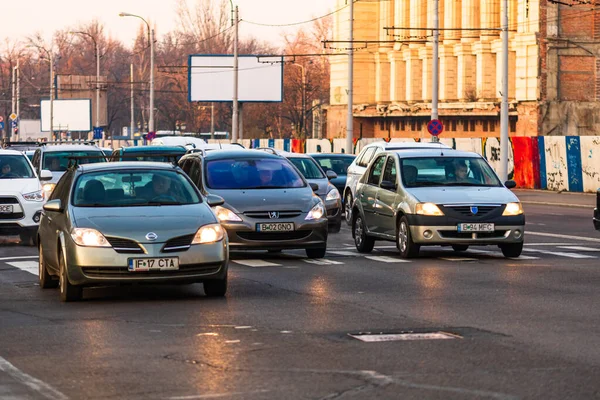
[{"x": 391, "y": 337}]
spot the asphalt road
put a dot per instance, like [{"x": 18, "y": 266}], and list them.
[{"x": 513, "y": 328}]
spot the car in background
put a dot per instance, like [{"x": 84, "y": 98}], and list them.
[
  {"x": 337, "y": 163},
  {"x": 57, "y": 156},
  {"x": 360, "y": 163},
  {"x": 127, "y": 222},
  {"x": 148, "y": 153},
  {"x": 27, "y": 147},
  {"x": 21, "y": 196},
  {"x": 313, "y": 173},
  {"x": 430, "y": 197},
  {"x": 268, "y": 203},
  {"x": 596, "y": 218},
  {"x": 107, "y": 151}
]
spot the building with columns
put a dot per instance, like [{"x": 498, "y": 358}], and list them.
[{"x": 553, "y": 77}]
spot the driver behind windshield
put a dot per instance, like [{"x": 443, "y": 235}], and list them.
[
  {"x": 6, "y": 171},
  {"x": 160, "y": 186}
]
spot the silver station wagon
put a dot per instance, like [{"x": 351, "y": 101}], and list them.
[
  {"x": 436, "y": 197},
  {"x": 124, "y": 222}
]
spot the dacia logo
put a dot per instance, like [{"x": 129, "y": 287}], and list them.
[{"x": 273, "y": 214}]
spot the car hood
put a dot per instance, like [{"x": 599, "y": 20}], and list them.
[
  {"x": 242, "y": 201},
  {"x": 10, "y": 186},
  {"x": 461, "y": 194},
  {"x": 135, "y": 222}
]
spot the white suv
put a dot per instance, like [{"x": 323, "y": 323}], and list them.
[
  {"x": 360, "y": 163},
  {"x": 21, "y": 196}
]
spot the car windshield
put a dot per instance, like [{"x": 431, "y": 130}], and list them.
[
  {"x": 58, "y": 161},
  {"x": 130, "y": 188},
  {"x": 15, "y": 167},
  {"x": 447, "y": 171},
  {"x": 308, "y": 167},
  {"x": 267, "y": 173},
  {"x": 339, "y": 165}
]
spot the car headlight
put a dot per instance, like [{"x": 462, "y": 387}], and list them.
[
  {"x": 34, "y": 196},
  {"x": 428, "y": 209},
  {"x": 225, "y": 214},
  {"x": 89, "y": 237},
  {"x": 48, "y": 188},
  {"x": 208, "y": 234},
  {"x": 316, "y": 212},
  {"x": 512, "y": 209},
  {"x": 333, "y": 194}
]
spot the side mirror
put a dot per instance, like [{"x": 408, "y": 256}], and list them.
[
  {"x": 213, "y": 200},
  {"x": 314, "y": 186},
  {"x": 510, "y": 184},
  {"x": 331, "y": 174},
  {"x": 387, "y": 185},
  {"x": 53, "y": 205},
  {"x": 45, "y": 175}
]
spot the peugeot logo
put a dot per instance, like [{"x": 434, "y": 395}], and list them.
[
  {"x": 474, "y": 210},
  {"x": 273, "y": 214},
  {"x": 151, "y": 236}
]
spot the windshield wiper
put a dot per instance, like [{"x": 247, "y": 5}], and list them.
[
  {"x": 463, "y": 184},
  {"x": 162, "y": 203}
]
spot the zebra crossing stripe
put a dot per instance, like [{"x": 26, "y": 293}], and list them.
[
  {"x": 500, "y": 255},
  {"x": 28, "y": 266},
  {"x": 322, "y": 261},
  {"x": 256, "y": 263},
  {"x": 344, "y": 253},
  {"x": 386, "y": 259},
  {"x": 458, "y": 258},
  {"x": 560, "y": 254},
  {"x": 579, "y": 248}
]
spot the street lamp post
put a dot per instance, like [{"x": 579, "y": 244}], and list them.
[
  {"x": 234, "y": 120},
  {"x": 97, "y": 51},
  {"x": 151, "y": 34},
  {"x": 303, "y": 70}
]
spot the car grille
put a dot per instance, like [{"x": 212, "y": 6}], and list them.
[
  {"x": 466, "y": 210},
  {"x": 274, "y": 236},
  {"x": 123, "y": 272},
  {"x": 499, "y": 234},
  {"x": 332, "y": 212},
  {"x": 18, "y": 215},
  {"x": 9, "y": 200},
  {"x": 180, "y": 243},
  {"x": 265, "y": 214},
  {"x": 125, "y": 245}
]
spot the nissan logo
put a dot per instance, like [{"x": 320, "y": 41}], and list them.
[{"x": 151, "y": 236}]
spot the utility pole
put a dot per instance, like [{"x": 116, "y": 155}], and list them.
[
  {"x": 132, "y": 121},
  {"x": 51, "y": 95},
  {"x": 18, "y": 91},
  {"x": 151, "y": 119},
  {"x": 350, "y": 121},
  {"x": 234, "y": 122},
  {"x": 504, "y": 107},
  {"x": 212, "y": 120},
  {"x": 435, "y": 64}
]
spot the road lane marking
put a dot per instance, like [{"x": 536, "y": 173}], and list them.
[
  {"x": 560, "y": 254},
  {"x": 500, "y": 255},
  {"x": 256, "y": 263},
  {"x": 17, "y": 258},
  {"x": 579, "y": 248},
  {"x": 217, "y": 395},
  {"x": 458, "y": 258},
  {"x": 28, "y": 266},
  {"x": 40, "y": 387},
  {"x": 386, "y": 259},
  {"x": 323, "y": 261},
  {"x": 556, "y": 235},
  {"x": 344, "y": 253}
]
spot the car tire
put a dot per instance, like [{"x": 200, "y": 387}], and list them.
[
  {"x": 404, "y": 242},
  {"x": 348, "y": 208},
  {"x": 335, "y": 228},
  {"x": 46, "y": 281},
  {"x": 363, "y": 242},
  {"x": 460, "y": 247},
  {"x": 512, "y": 250},
  {"x": 318, "y": 252},
  {"x": 215, "y": 288},
  {"x": 68, "y": 292}
]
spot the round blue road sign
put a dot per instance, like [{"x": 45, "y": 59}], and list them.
[{"x": 435, "y": 127}]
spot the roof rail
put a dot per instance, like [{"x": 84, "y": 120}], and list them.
[
  {"x": 67, "y": 142},
  {"x": 8, "y": 144},
  {"x": 74, "y": 160},
  {"x": 192, "y": 151},
  {"x": 173, "y": 158},
  {"x": 268, "y": 149}
]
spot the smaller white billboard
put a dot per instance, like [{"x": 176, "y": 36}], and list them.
[
  {"x": 211, "y": 78},
  {"x": 73, "y": 115}
]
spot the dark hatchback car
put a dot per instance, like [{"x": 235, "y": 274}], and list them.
[
  {"x": 269, "y": 205},
  {"x": 337, "y": 163}
]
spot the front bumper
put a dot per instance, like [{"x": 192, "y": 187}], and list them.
[
  {"x": 91, "y": 266},
  {"x": 443, "y": 230},
  {"x": 306, "y": 234},
  {"x": 597, "y": 219},
  {"x": 334, "y": 212},
  {"x": 24, "y": 218}
]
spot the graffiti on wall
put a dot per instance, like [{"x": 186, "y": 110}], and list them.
[{"x": 491, "y": 152}]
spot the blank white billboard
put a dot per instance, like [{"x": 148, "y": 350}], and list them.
[
  {"x": 210, "y": 78},
  {"x": 69, "y": 115}
]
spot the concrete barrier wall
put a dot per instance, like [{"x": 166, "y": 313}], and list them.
[{"x": 559, "y": 163}]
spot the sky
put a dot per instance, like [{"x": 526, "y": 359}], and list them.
[{"x": 22, "y": 18}]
